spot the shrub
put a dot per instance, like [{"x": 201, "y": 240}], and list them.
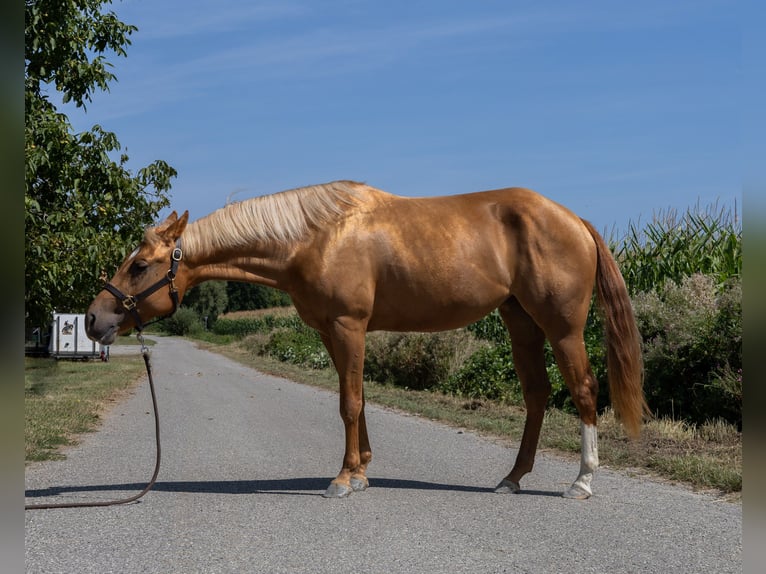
[
  {"x": 243, "y": 326},
  {"x": 298, "y": 346},
  {"x": 239, "y": 327},
  {"x": 184, "y": 321},
  {"x": 417, "y": 360},
  {"x": 693, "y": 349},
  {"x": 255, "y": 343},
  {"x": 489, "y": 374},
  {"x": 284, "y": 337},
  {"x": 490, "y": 328}
]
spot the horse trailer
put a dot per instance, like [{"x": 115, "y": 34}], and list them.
[{"x": 68, "y": 338}]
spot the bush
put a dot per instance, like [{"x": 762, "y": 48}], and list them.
[
  {"x": 255, "y": 343},
  {"x": 490, "y": 328},
  {"x": 488, "y": 374},
  {"x": 298, "y": 346},
  {"x": 417, "y": 360},
  {"x": 184, "y": 321},
  {"x": 241, "y": 327},
  {"x": 693, "y": 349},
  {"x": 284, "y": 337}
]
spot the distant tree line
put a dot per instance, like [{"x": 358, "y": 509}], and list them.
[{"x": 214, "y": 298}]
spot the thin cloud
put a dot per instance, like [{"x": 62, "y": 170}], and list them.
[
  {"x": 169, "y": 20},
  {"x": 328, "y": 51},
  {"x": 313, "y": 47},
  {"x": 313, "y": 53}
]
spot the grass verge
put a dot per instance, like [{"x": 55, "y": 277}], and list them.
[
  {"x": 63, "y": 399},
  {"x": 707, "y": 457}
]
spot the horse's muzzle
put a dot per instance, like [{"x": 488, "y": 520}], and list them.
[{"x": 101, "y": 329}]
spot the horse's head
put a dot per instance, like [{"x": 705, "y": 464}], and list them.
[{"x": 145, "y": 286}]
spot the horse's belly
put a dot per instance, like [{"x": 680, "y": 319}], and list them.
[{"x": 434, "y": 306}]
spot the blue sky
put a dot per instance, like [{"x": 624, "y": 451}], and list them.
[{"x": 615, "y": 109}]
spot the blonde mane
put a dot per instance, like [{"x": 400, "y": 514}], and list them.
[{"x": 283, "y": 217}]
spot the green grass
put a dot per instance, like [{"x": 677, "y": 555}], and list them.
[{"x": 64, "y": 399}]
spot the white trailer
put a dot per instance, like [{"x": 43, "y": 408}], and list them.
[{"x": 68, "y": 338}]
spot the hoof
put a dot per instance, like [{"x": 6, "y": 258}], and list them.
[
  {"x": 359, "y": 483},
  {"x": 336, "y": 490},
  {"x": 577, "y": 492},
  {"x": 508, "y": 487}
]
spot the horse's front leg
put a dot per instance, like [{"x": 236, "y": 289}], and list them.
[{"x": 345, "y": 343}]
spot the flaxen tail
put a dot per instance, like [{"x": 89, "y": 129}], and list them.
[{"x": 623, "y": 359}]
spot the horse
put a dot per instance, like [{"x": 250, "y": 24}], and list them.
[{"x": 354, "y": 259}]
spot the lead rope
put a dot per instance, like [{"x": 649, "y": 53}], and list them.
[{"x": 148, "y": 487}]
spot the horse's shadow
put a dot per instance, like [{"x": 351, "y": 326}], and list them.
[{"x": 308, "y": 486}]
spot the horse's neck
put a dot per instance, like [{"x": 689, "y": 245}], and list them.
[
  {"x": 262, "y": 264},
  {"x": 246, "y": 270}
]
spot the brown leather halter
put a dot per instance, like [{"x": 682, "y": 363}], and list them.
[{"x": 129, "y": 302}]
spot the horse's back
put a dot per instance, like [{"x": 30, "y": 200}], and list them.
[
  {"x": 512, "y": 222},
  {"x": 436, "y": 263}
]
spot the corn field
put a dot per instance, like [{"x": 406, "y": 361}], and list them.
[{"x": 673, "y": 246}]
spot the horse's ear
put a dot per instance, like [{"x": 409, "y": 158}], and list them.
[
  {"x": 176, "y": 228},
  {"x": 169, "y": 220},
  {"x": 173, "y": 226}
]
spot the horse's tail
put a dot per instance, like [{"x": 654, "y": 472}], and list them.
[{"x": 623, "y": 358}]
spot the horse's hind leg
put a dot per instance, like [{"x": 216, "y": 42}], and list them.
[
  {"x": 527, "y": 344},
  {"x": 575, "y": 368}
]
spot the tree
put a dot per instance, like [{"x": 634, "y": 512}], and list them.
[
  {"x": 84, "y": 210},
  {"x": 208, "y": 299},
  {"x": 246, "y": 296}
]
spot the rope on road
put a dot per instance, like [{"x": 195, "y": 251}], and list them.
[{"x": 148, "y": 487}]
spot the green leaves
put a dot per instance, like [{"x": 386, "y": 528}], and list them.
[
  {"x": 208, "y": 299},
  {"x": 83, "y": 209},
  {"x": 64, "y": 45},
  {"x": 692, "y": 335},
  {"x": 672, "y": 247}
]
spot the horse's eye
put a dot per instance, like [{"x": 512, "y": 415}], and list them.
[{"x": 138, "y": 267}]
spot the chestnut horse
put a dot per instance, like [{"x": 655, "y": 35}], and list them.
[{"x": 356, "y": 259}]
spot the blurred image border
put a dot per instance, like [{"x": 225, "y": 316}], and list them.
[
  {"x": 753, "y": 125},
  {"x": 12, "y": 287}
]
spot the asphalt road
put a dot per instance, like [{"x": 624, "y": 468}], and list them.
[{"x": 247, "y": 456}]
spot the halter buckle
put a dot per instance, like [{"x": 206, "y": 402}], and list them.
[
  {"x": 177, "y": 254},
  {"x": 129, "y": 302}
]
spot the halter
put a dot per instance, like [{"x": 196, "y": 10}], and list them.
[{"x": 129, "y": 302}]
